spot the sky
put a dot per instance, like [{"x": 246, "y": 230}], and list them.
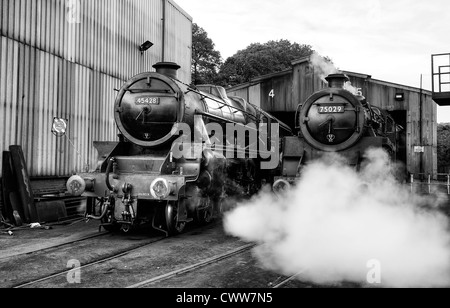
[{"x": 391, "y": 40}]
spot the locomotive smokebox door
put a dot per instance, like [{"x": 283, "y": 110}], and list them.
[
  {"x": 149, "y": 105},
  {"x": 333, "y": 120}
]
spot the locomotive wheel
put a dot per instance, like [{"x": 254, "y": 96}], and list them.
[{"x": 171, "y": 214}]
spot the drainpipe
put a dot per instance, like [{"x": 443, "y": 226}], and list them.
[
  {"x": 422, "y": 169},
  {"x": 163, "y": 31}
]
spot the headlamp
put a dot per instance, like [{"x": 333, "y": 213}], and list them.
[
  {"x": 76, "y": 185},
  {"x": 281, "y": 187},
  {"x": 161, "y": 188}
]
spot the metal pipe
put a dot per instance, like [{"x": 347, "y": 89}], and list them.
[
  {"x": 108, "y": 171},
  {"x": 433, "y": 74},
  {"x": 105, "y": 211},
  {"x": 421, "y": 124},
  {"x": 429, "y": 184},
  {"x": 217, "y": 118},
  {"x": 448, "y": 184},
  {"x": 158, "y": 228},
  {"x": 163, "y": 31}
]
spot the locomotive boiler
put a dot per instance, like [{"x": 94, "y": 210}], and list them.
[
  {"x": 140, "y": 179},
  {"x": 336, "y": 120}
]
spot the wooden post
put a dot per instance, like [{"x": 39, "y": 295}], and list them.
[
  {"x": 412, "y": 183},
  {"x": 13, "y": 208},
  {"x": 6, "y": 185},
  {"x": 448, "y": 184},
  {"x": 429, "y": 184}
]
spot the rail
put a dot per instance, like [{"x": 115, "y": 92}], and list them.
[
  {"x": 441, "y": 73},
  {"x": 441, "y": 79},
  {"x": 437, "y": 180}
]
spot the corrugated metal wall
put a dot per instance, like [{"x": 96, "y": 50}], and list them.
[
  {"x": 65, "y": 58},
  {"x": 177, "y": 30}
]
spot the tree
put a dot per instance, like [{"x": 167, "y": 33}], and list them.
[
  {"x": 261, "y": 59},
  {"x": 206, "y": 61},
  {"x": 444, "y": 148}
]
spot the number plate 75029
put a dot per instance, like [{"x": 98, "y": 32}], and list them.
[{"x": 332, "y": 109}]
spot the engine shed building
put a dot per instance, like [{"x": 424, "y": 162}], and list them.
[
  {"x": 65, "y": 58},
  {"x": 414, "y": 109}
]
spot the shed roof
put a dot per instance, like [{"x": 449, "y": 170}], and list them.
[{"x": 303, "y": 60}]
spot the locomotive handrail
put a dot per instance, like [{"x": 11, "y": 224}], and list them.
[
  {"x": 148, "y": 90},
  {"x": 260, "y": 110},
  {"x": 214, "y": 117},
  {"x": 240, "y": 150},
  {"x": 223, "y": 103},
  {"x": 297, "y": 122},
  {"x": 108, "y": 171},
  {"x": 231, "y": 106}
]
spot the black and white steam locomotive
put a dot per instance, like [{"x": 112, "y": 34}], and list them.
[
  {"x": 142, "y": 178},
  {"x": 339, "y": 121}
]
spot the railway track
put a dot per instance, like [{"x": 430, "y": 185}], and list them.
[
  {"x": 204, "y": 265},
  {"x": 59, "y": 244},
  {"x": 140, "y": 248},
  {"x": 90, "y": 264},
  {"x": 196, "y": 266},
  {"x": 284, "y": 282},
  {"x": 209, "y": 262}
]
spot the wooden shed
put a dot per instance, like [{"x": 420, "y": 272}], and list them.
[{"x": 412, "y": 108}]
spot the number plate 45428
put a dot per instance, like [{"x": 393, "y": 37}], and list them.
[{"x": 148, "y": 101}]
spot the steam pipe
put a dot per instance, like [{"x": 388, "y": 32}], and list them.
[
  {"x": 105, "y": 210},
  {"x": 108, "y": 171}
]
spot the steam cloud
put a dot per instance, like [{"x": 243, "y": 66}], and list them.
[
  {"x": 325, "y": 67},
  {"x": 336, "y": 221}
]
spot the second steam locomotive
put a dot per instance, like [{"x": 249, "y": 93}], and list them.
[
  {"x": 336, "y": 120},
  {"x": 143, "y": 179}
]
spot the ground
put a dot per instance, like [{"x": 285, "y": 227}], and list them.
[{"x": 78, "y": 255}]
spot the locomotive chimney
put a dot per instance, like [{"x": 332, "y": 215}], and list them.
[
  {"x": 167, "y": 68},
  {"x": 337, "y": 80}
]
